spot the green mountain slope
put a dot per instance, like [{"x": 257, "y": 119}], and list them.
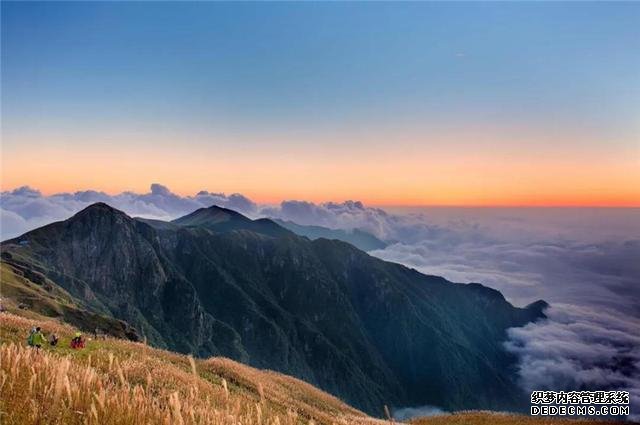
[{"x": 368, "y": 331}]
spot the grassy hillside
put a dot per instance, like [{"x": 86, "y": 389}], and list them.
[
  {"x": 114, "y": 381},
  {"x": 30, "y": 292}
]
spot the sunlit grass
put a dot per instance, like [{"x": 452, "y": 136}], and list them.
[{"x": 114, "y": 381}]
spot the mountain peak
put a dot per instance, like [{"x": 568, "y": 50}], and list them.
[
  {"x": 98, "y": 211},
  {"x": 221, "y": 219},
  {"x": 215, "y": 209},
  {"x": 210, "y": 216},
  {"x": 100, "y": 207}
]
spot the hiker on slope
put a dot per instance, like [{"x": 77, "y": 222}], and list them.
[
  {"x": 36, "y": 338},
  {"x": 53, "y": 340},
  {"x": 77, "y": 342}
]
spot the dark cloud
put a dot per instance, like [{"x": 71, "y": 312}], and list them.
[{"x": 160, "y": 190}]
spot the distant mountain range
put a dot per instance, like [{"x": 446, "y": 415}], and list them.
[
  {"x": 217, "y": 283},
  {"x": 356, "y": 237}
]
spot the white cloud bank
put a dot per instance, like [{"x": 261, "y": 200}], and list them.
[{"x": 579, "y": 348}]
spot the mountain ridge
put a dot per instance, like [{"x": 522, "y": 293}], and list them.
[{"x": 368, "y": 331}]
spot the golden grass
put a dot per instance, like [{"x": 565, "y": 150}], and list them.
[{"x": 119, "y": 382}]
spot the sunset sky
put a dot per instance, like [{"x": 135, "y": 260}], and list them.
[{"x": 388, "y": 103}]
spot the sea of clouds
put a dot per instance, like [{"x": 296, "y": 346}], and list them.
[{"x": 584, "y": 262}]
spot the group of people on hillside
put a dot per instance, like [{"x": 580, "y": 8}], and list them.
[{"x": 37, "y": 339}]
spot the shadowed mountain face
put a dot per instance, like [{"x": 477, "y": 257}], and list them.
[{"x": 217, "y": 283}]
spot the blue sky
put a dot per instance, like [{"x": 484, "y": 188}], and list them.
[{"x": 274, "y": 75}]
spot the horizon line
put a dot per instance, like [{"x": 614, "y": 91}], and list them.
[{"x": 379, "y": 204}]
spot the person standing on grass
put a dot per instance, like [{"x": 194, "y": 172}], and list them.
[{"x": 36, "y": 338}]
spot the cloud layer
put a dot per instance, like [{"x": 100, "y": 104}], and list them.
[
  {"x": 407, "y": 413},
  {"x": 579, "y": 348},
  {"x": 606, "y": 274}
]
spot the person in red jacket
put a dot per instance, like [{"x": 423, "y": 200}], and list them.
[{"x": 77, "y": 342}]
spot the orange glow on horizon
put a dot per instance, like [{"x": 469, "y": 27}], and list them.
[
  {"x": 430, "y": 198},
  {"x": 385, "y": 175},
  {"x": 458, "y": 191}
]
